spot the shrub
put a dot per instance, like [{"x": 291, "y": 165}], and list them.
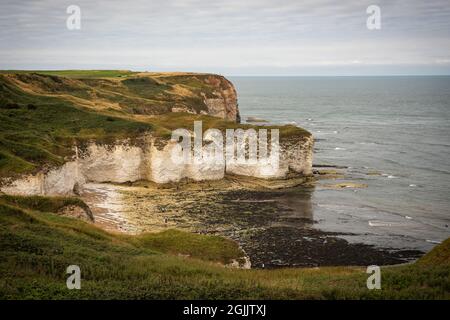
[{"x": 10, "y": 106}]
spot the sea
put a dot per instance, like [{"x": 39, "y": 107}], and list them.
[{"x": 389, "y": 134}]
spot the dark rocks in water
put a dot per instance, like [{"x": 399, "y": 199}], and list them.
[
  {"x": 276, "y": 229},
  {"x": 277, "y": 247},
  {"x": 329, "y": 166}
]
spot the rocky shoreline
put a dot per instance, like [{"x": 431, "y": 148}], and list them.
[{"x": 271, "y": 220}]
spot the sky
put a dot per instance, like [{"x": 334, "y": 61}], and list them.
[{"x": 230, "y": 37}]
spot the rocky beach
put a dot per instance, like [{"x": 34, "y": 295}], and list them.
[{"x": 272, "y": 221}]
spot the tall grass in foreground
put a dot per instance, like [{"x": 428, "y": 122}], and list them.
[{"x": 36, "y": 247}]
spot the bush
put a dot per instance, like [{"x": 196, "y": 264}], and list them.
[{"x": 10, "y": 106}]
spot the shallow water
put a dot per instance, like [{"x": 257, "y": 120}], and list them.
[{"x": 392, "y": 133}]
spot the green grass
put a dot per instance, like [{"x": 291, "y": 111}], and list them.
[
  {"x": 40, "y": 203},
  {"x": 36, "y": 247},
  {"x": 440, "y": 255},
  {"x": 135, "y": 93},
  {"x": 78, "y": 73},
  {"x": 205, "y": 247},
  {"x": 165, "y": 124},
  {"x": 31, "y": 138}
]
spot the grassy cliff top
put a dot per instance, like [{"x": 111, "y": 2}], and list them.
[
  {"x": 76, "y": 73},
  {"x": 43, "y": 113},
  {"x": 36, "y": 246}
]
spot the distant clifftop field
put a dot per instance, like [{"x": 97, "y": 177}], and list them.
[{"x": 118, "y": 92}]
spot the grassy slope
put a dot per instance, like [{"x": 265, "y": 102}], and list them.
[
  {"x": 40, "y": 129},
  {"x": 118, "y": 91},
  {"x": 440, "y": 255},
  {"x": 30, "y": 138},
  {"x": 37, "y": 247}
]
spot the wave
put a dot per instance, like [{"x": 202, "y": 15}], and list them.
[
  {"x": 327, "y": 132},
  {"x": 380, "y": 223}
]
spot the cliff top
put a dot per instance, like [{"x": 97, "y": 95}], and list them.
[
  {"x": 121, "y": 92},
  {"x": 81, "y": 74},
  {"x": 42, "y": 113}
]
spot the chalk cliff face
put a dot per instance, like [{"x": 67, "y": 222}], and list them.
[
  {"x": 127, "y": 162},
  {"x": 295, "y": 155}
]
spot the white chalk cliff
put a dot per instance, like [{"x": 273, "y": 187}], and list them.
[{"x": 125, "y": 161}]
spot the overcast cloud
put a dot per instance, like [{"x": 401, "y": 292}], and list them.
[{"x": 231, "y": 37}]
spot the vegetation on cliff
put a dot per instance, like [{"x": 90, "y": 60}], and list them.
[
  {"x": 114, "y": 92},
  {"x": 43, "y": 114}
]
